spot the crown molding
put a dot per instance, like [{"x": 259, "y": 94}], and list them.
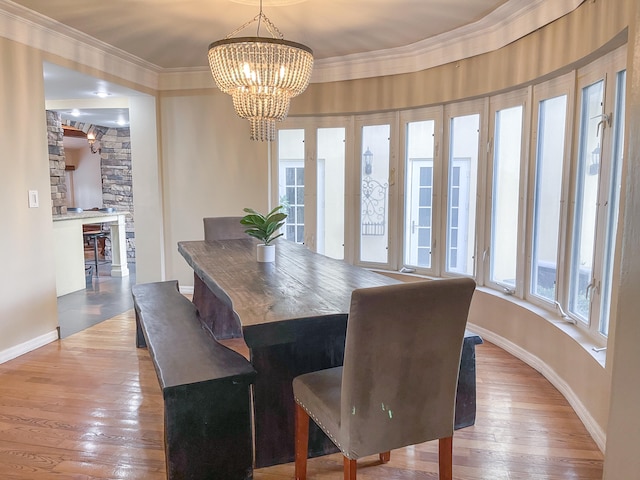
[
  {"x": 512, "y": 20},
  {"x": 506, "y": 24},
  {"x": 25, "y": 26}
]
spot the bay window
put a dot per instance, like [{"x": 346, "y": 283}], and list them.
[{"x": 525, "y": 200}]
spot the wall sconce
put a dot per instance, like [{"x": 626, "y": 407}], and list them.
[
  {"x": 368, "y": 162},
  {"x": 91, "y": 138}
]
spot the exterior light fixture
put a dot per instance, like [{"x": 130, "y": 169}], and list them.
[
  {"x": 261, "y": 74},
  {"x": 368, "y": 162},
  {"x": 91, "y": 138}
]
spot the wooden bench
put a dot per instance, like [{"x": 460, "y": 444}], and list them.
[{"x": 205, "y": 386}]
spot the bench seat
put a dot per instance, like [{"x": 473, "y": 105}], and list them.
[{"x": 205, "y": 387}]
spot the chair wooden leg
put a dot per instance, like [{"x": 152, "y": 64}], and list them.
[
  {"x": 445, "y": 458},
  {"x": 302, "y": 442},
  {"x": 350, "y": 467},
  {"x": 385, "y": 457}
]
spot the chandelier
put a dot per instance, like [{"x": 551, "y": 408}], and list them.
[{"x": 261, "y": 74}]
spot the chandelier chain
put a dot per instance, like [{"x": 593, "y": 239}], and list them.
[{"x": 273, "y": 30}]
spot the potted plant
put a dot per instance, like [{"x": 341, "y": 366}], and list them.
[{"x": 264, "y": 228}]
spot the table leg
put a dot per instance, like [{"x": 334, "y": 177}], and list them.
[{"x": 305, "y": 345}]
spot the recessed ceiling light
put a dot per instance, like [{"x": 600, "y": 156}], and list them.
[
  {"x": 102, "y": 94},
  {"x": 75, "y": 112}
]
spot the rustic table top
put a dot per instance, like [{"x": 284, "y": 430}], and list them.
[{"x": 299, "y": 284}]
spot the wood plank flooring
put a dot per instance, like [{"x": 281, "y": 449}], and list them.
[{"x": 89, "y": 407}]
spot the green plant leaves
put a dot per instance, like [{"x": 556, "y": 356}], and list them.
[{"x": 264, "y": 227}]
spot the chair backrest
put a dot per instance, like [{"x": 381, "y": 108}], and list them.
[
  {"x": 223, "y": 228},
  {"x": 401, "y": 364}
]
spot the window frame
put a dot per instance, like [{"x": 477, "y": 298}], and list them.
[
  {"x": 391, "y": 119},
  {"x": 606, "y": 69},
  {"x": 423, "y": 114},
  {"x": 519, "y": 97},
  {"x": 564, "y": 85},
  {"x": 451, "y": 111}
]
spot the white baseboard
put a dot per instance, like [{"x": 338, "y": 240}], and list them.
[
  {"x": 188, "y": 290},
  {"x": 28, "y": 346},
  {"x": 598, "y": 434}
]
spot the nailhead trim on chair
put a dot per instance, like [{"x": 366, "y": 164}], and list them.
[{"x": 315, "y": 419}]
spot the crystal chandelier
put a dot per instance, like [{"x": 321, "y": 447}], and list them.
[{"x": 261, "y": 74}]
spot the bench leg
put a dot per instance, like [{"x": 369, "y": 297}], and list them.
[{"x": 208, "y": 432}]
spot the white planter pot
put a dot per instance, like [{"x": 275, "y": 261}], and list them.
[{"x": 266, "y": 253}]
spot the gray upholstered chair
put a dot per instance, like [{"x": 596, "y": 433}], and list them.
[
  {"x": 398, "y": 383},
  {"x": 223, "y": 228}
]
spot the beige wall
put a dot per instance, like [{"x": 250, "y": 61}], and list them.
[
  {"x": 28, "y": 311},
  {"x": 210, "y": 168},
  {"x": 147, "y": 189}
]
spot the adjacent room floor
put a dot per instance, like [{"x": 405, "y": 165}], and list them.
[{"x": 104, "y": 297}]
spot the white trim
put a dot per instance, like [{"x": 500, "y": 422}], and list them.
[
  {"x": 22, "y": 25},
  {"x": 596, "y": 432},
  {"x": 28, "y": 346},
  {"x": 188, "y": 290},
  {"x": 514, "y": 19}
]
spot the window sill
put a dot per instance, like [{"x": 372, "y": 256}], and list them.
[{"x": 575, "y": 332}]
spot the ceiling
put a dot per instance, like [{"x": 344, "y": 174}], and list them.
[{"x": 175, "y": 34}]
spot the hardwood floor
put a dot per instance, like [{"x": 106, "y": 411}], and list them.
[{"x": 89, "y": 407}]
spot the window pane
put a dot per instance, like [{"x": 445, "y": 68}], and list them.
[
  {"x": 461, "y": 201},
  {"x": 374, "y": 203},
  {"x": 614, "y": 203},
  {"x": 588, "y": 176},
  {"x": 291, "y": 181},
  {"x": 331, "y": 168},
  {"x": 419, "y": 187},
  {"x": 548, "y": 187},
  {"x": 506, "y": 181}
]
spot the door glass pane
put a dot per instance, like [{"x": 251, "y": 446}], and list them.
[
  {"x": 331, "y": 167},
  {"x": 374, "y": 203},
  {"x": 505, "y": 204},
  {"x": 418, "y": 208},
  {"x": 548, "y": 187},
  {"x": 614, "y": 202},
  {"x": 584, "y": 226},
  {"x": 461, "y": 201},
  {"x": 291, "y": 182}
]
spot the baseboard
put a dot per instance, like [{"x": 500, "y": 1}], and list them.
[
  {"x": 188, "y": 290},
  {"x": 28, "y": 346},
  {"x": 598, "y": 434}
]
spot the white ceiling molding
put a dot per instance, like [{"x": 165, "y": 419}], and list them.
[
  {"x": 25, "y": 26},
  {"x": 509, "y": 22}
]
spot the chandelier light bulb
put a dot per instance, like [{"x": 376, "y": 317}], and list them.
[{"x": 261, "y": 75}]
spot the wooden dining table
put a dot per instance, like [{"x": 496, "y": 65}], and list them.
[{"x": 292, "y": 314}]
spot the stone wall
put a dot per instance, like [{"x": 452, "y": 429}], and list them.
[
  {"x": 117, "y": 180},
  {"x": 55, "y": 136}
]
